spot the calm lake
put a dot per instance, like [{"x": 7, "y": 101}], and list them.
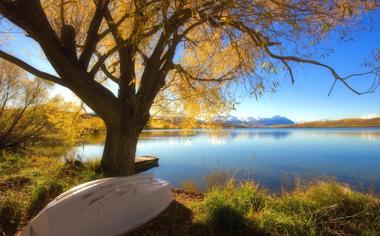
[{"x": 273, "y": 157}]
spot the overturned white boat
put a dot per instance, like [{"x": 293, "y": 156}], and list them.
[{"x": 110, "y": 206}]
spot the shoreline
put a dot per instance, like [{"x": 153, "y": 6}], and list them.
[{"x": 26, "y": 186}]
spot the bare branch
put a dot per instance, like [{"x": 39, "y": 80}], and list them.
[
  {"x": 142, "y": 54},
  {"x": 332, "y": 70},
  {"x": 289, "y": 70},
  {"x": 31, "y": 69},
  {"x": 92, "y": 36},
  {"x": 264, "y": 42},
  {"x": 109, "y": 74},
  {"x": 101, "y": 60},
  {"x": 225, "y": 77},
  {"x": 117, "y": 24},
  {"x": 113, "y": 27}
]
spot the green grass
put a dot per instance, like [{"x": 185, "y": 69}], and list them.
[
  {"x": 323, "y": 208},
  {"x": 27, "y": 184},
  {"x": 42, "y": 194}
]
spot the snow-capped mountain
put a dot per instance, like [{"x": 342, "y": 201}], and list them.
[
  {"x": 275, "y": 120},
  {"x": 233, "y": 119},
  {"x": 252, "y": 121}
]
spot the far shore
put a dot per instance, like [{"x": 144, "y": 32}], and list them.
[{"x": 343, "y": 123}]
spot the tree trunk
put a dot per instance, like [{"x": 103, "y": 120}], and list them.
[{"x": 119, "y": 150}]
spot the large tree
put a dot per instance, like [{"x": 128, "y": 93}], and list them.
[{"x": 134, "y": 43}]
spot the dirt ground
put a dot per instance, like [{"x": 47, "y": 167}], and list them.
[{"x": 177, "y": 219}]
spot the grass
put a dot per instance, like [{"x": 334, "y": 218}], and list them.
[
  {"x": 321, "y": 208},
  {"x": 27, "y": 184}
]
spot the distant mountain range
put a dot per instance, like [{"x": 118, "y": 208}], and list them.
[
  {"x": 254, "y": 122},
  {"x": 275, "y": 121},
  {"x": 228, "y": 121}
]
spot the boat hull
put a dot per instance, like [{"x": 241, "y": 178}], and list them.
[{"x": 111, "y": 206}]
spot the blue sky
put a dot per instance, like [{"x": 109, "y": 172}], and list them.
[
  {"x": 305, "y": 100},
  {"x": 308, "y": 98}
]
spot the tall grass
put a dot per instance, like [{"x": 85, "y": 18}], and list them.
[{"x": 324, "y": 208}]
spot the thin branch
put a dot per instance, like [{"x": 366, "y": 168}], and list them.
[
  {"x": 373, "y": 71},
  {"x": 125, "y": 16},
  {"x": 101, "y": 60},
  {"x": 264, "y": 43},
  {"x": 332, "y": 88},
  {"x": 113, "y": 27},
  {"x": 117, "y": 24},
  {"x": 332, "y": 70},
  {"x": 142, "y": 54},
  {"x": 109, "y": 74},
  {"x": 225, "y": 77},
  {"x": 289, "y": 70}
]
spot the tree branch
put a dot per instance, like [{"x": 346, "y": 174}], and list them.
[
  {"x": 332, "y": 70},
  {"x": 31, "y": 69},
  {"x": 117, "y": 24},
  {"x": 264, "y": 42},
  {"x": 93, "y": 36},
  {"x": 113, "y": 27},
  {"x": 109, "y": 74},
  {"x": 101, "y": 60},
  {"x": 225, "y": 77}
]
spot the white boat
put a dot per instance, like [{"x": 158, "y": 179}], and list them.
[{"x": 111, "y": 206}]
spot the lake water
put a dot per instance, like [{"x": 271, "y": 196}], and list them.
[{"x": 272, "y": 157}]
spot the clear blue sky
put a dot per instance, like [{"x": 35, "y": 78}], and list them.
[{"x": 305, "y": 100}]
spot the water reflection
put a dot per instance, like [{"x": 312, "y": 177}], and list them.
[{"x": 270, "y": 156}]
